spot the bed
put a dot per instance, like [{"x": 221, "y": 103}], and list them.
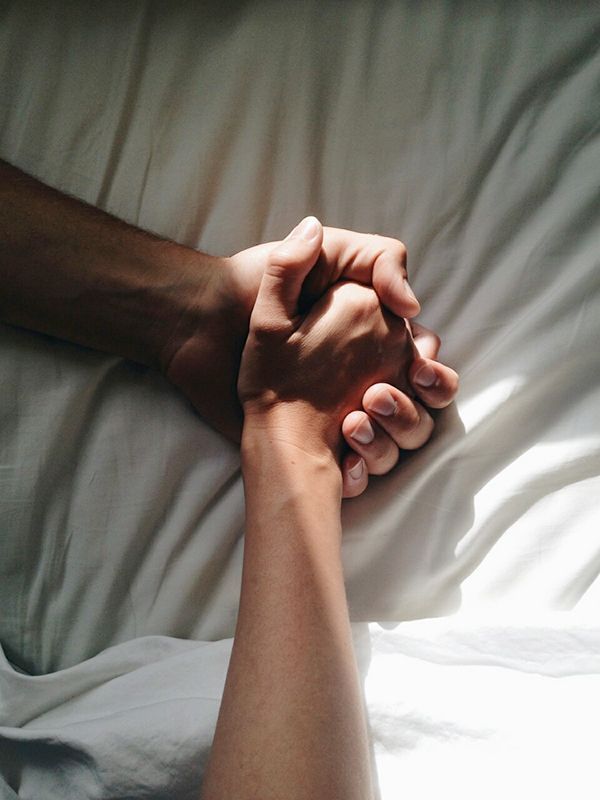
[{"x": 470, "y": 130}]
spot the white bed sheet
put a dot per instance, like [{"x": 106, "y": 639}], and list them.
[{"x": 470, "y": 131}]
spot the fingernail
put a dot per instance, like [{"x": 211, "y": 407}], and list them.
[
  {"x": 425, "y": 377},
  {"x": 364, "y": 433},
  {"x": 357, "y": 470},
  {"x": 383, "y": 404},
  {"x": 307, "y": 229},
  {"x": 409, "y": 291}
]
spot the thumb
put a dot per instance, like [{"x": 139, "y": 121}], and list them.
[{"x": 288, "y": 265}]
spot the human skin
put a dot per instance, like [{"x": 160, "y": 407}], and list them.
[
  {"x": 72, "y": 271},
  {"x": 390, "y": 419},
  {"x": 291, "y": 723}
]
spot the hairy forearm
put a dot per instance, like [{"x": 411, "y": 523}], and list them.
[
  {"x": 291, "y": 723},
  {"x": 72, "y": 271}
]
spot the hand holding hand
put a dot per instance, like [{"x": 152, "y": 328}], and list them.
[
  {"x": 204, "y": 361},
  {"x": 301, "y": 373}
]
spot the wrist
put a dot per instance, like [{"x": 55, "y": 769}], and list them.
[
  {"x": 194, "y": 304},
  {"x": 294, "y": 425},
  {"x": 282, "y": 436},
  {"x": 294, "y": 473},
  {"x": 201, "y": 354}
]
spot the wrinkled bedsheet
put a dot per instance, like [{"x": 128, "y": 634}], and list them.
[{"x": 468, "y": 130}]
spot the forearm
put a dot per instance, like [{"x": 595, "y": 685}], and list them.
[
  {"x": 72, "y": 271},
  {"x": 291, "y": 723}
]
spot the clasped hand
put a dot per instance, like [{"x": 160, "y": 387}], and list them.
[
  {"x": 307, "y": 368},
  {"x": 327, "y": 339}
]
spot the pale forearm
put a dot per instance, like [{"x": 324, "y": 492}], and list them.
[
  {"x": 70, "y": 270},
  {"x": 291, "y": 722}
]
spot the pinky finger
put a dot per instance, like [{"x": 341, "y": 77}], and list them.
[{"x": 355, "y": 476}]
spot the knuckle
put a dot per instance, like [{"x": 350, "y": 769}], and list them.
[
  {"x": 394, "y": 246},
  {"x": 370, "y": 301},
  {"x": 400, "y": 251},
  {"x": 385, "y": 460},
  {"x": 408, "y": 417},
  {"x": 262, "y": 325},
  {"x": 264, "y": 329},
  {"x": 391, "y": 248},
  {"x": 359, "y": 299},
  {"x": 423, "y": 433}
]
